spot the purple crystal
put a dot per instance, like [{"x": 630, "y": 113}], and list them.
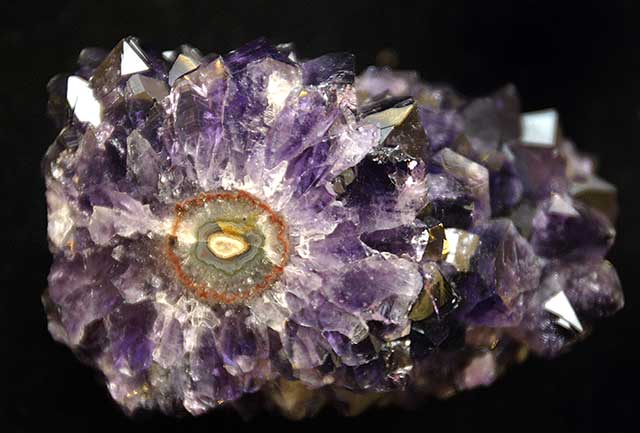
[
  {"x": 253, "y": 224},
  {"x": 472, "y": 177},
  {"x": 503, "y": 269},
  {"x": 561, "y": 228},
  {"x": 570, "y": 298}
]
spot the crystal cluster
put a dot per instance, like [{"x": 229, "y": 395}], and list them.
[{"x": 251, "y": 229}]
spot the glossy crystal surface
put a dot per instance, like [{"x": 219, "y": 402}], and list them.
[{"x": 254, "y": 227}]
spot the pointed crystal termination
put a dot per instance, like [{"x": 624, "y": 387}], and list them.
[
  {"x": 243, "y": 228},
  {"x": 562, "y": 228},
  {"x": 182, "y": 66},
  {"x": 571, "y": 297},
  {"x": 399, "y": 126},
  {"x": 560, "y": 305},
  {"x": 125, "y": 59},
  {"x": 539, "y": 161},
  {"x": 133, "y": 59},
  {"x": 540, "y": 127},
  {"x": 82, "y": 101},
  {"x": 501, "y": 271}
]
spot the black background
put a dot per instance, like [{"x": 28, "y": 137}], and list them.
[{"x": 581, "y": 57}]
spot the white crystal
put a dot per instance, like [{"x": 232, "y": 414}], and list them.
[
  {"x": 561, "y": 206},
  {"x": 132, "y": 60},
  {"x": 560, "y": 306},
  {"x": 82, "y": 101},
  {"x": 540, "y": 127}
]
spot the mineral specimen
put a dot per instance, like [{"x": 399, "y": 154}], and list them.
[{"x": 252, "y": 224}]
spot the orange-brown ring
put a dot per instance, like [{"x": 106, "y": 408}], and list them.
[{"x": 199, "y": 289}]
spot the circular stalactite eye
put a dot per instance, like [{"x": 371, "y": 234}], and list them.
[{"x": 227, "y": 247}]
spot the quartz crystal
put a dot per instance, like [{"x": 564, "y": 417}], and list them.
[{"x": 250, "y": 227}]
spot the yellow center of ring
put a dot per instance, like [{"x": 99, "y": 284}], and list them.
[{"x": 226, "y": 245}]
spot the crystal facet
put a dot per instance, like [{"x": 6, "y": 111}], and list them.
[{"x": 226, "y": 227}]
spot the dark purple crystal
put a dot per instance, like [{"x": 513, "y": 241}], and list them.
[{"x": 251, "y": 223}]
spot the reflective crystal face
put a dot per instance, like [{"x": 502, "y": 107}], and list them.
[
  {"x": 254, "y": 225},
  {"x": 227, "y": 246}
]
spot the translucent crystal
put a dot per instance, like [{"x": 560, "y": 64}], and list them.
[{"x": 253, "y": 230}]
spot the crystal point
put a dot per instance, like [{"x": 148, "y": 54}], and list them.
[
  {"x": 251, "y": 230},
  {"x": 133, "y": 59}
]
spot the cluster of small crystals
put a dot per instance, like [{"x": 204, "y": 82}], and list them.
[{"x": 261, "y": 231}]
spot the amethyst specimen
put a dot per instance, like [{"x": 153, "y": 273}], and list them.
[{"x": 243, "y": 224}]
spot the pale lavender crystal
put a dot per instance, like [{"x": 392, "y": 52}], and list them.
[{"x": 254, "y": 224}]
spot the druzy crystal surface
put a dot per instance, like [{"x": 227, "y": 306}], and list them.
[{"x": 256, "y": 230}]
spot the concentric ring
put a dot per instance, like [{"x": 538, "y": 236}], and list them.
[{"x": 233, "y": 219}]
